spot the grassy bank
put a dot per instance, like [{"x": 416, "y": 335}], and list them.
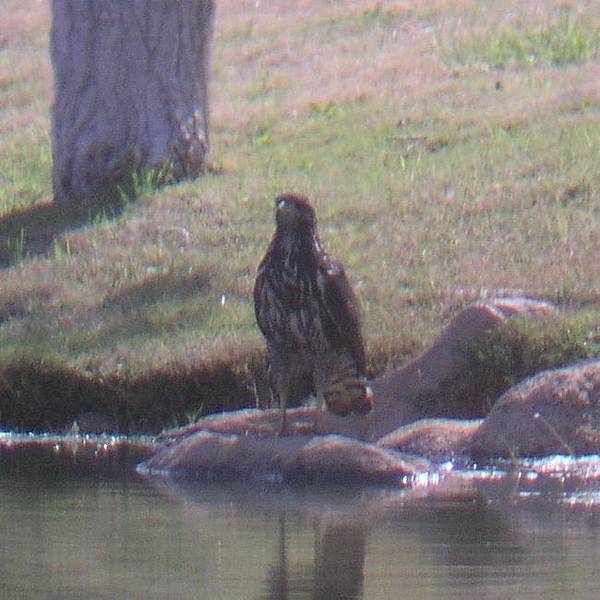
[{"x": 451, "y": 149}]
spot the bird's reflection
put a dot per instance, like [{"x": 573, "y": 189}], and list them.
[
  {"x": 278, "y": 575},
  {"x": 338, "y": 564},
  {"x": 339, "y": 561},
  {"x": 337, "y": 543}
]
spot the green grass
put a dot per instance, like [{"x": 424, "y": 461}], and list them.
[
  {"x": 25, "y": 167},
  {"x": 566, "y": 40},
  {"x": 469, "y": 186},
  {"x": 509, "y": 354}
]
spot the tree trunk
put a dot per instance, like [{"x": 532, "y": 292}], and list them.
[{"x": 131, "y": 93}]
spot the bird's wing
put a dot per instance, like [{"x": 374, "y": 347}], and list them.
[
  {"x": 341, "y": 305},
  {"x": 259, "y": 307}
]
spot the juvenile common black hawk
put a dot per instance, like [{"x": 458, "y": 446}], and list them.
[{"x": 309, "y": 316}]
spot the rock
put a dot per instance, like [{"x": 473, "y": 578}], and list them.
[
  {"x": 418, "y": 390},
  {"x": 424, "y": 387},
  {"x": 437, "y": 439},
  {"x": 555, "y": 412},
  {"x": 250, "y": 422},
  {"x": 244, "y": 443},
  {"x": 292, "y": 458}
]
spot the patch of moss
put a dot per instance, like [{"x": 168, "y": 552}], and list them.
[{"x": 522, "y": 348}]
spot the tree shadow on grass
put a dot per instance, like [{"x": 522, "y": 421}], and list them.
[
  {"x": 174, "y": 285},
  {"x": 150, "y": 308},
  {"x": 32, "y": 231}
]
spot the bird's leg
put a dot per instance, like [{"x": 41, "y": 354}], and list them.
[
  {"x": 279, "y": 370},
  {"x": 283, "y": 406},
  {"x": 319, "y": 413},
  {"x": 283, "y": 429}
]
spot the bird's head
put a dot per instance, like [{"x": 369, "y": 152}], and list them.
[{"x": 294, "y": 213}]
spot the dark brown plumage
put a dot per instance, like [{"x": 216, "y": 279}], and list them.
[{"x": 309, "y": 315}]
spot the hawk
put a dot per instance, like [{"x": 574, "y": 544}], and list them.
[{"x": 308, "y": 314}]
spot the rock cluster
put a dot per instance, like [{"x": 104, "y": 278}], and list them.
[{"x": 417, "y": 420}]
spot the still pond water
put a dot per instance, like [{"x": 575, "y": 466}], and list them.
[{"x": 488, "y": 534}]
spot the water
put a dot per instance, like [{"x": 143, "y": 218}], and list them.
[{"x": 530, "y": 533}]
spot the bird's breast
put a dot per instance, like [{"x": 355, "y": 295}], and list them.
[{"x": 294, "y": 311}]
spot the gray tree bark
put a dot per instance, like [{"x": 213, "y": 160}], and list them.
[{"x": 131, "y": 93}]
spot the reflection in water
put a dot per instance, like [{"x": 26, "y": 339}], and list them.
[
  {"x": 337, "y": 570},
  {"x": 278, "y": 575},
  {"x": 446, "y": 542},
  {"x": 339, "y": 562},
  {"x": 379, "y": 543},
  {"x": 119, "y": 537}
]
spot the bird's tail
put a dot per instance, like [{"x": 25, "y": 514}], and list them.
[
  {"x": 349, "y": 397},
  {"x": 344, "y": 390}
]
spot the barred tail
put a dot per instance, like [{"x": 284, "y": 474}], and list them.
[{"x": 349, "y": 396}]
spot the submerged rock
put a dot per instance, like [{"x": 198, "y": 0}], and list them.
[{"x": 555, "y": 412}]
